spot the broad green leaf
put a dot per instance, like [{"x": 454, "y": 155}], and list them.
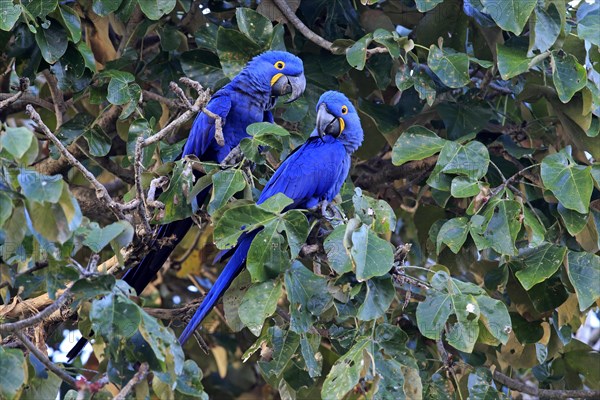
[
  {"x": 453, "y": 234},
  {"x": 105, "y": 7},
  {"x": 284, "y": 344},
  {"x": 464, "y": 333},
  {"x": 176, "y": 199},
  {"x": 574, "y": 221},
  {"x": 71, "y": 22},
  {"x": 404, "y": 79},
  {"x": 9, "y": 14},
  {"x": 41, "y": 8},
  {"x": 39, "y": 187},
  {"x": 471, "y": 160},
  {"x": 391, "y": 384},
  {"x": 189, "y": 382},
  {"x": 378, "y": 214},
  {"x": 568, "y": 75},
  {"x": 569, "y": 182},
  {"x": 337, "y": 255},
  {"x": 267, "y": 256},
  {"x": 255, "y": 26},
  {"x": 259, "y": 129},
  {"x": 114, "y": 316},
  {"x": 237, "y": 220},
  {"x": 93, "y": 286},
  {"x": 234, "y": 50},
  {"x": 540, "y": 264},
  {"x": 118, "y": 87},
  {"x": 463, "y": 119},
  {"x": 452, "y": 68},
  {"x": 495, "y": 317},
  {"x": 504, "y": 226},
  {"x": 427, "y": 5},
  {"x": 535, "y": 230},
  {"x": 14, "y": 369},
  {"x": 416, "y": 143},
  {"x": 371, "y": 255},
  {"x": 52, "y": 42},
  {"x": 226, "y": 183},
  {"x": 356, "y": 55},
  {"x": 42, "y": 386},
  {"x": 380, "y": 293},
  {"x": 346, "y": 371},
  {"x": 154, "y": 9},
  {"x": 432, "y": 315},
  {"x": 589, "y": 28},
  {"x": 98, "y": 142},
  {"x": 73, "y": 128},
  {"x": 203, "y": 66},
  {"x": 232, "y": 299},
  {"x": 584, "y": 274},
  {"x": 510, "y": 15},
  {"x": 6, "y": 207},
  {"x": 259, "y": 302},
  {"x": 512, "y": 59},
  {"x": 16, "y": 141},
  {"x": 389, "y": 40},
  {"x": 309, "y": 347},
  {"x": 163, "y": 344},
  {"x": 463, "y": 187},
  {"x": 547, "y": 27},
  {"x": 98, "y": 238}
]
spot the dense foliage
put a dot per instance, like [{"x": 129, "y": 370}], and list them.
[{"x": 463, "y": 249}]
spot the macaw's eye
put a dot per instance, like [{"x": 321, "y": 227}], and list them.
[
  {"x": 344, "y": 110},
  {"x": 280, "y": 65}
]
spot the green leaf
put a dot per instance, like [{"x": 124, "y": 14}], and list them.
[
  {"x": 97, "y": 238},
  {"x": 259, "y": 302},
  {"x": 13, "y": 367},
  {"x": 71, "y": 22},
  {"x": 371, "y": 255},
  {"x": 115, "y": 317},
  {"x": 105, "y": 7},
  {"x": 9, "y": 14},
  {"x": 337, "y": 256},
  {"x": 346, "y": 371},
  {"x": 504, "y": 226},
  {"x": 118, "y": 87},
  {"x": 453, "y": 234},
  {"x": 284, "y": 344},
  {"x": 570, "y": 183},
  {"x": 495, "y": 317},
  {"x": 236, "y": 220},
  {"x": 534, "y": 228},
  {"x": 255, "y": 26},
  {"x": 41, "y": 8},
  {"x": 463, "y": 187},
  {"x": 176, "y": 198},
  {"x": 427, "y": 5},
  {"x": 154, "y": 9},
  {"x": 510, "y": 15},
  {"x": 452, "y": 68},
  {"x": 189, "y": 382},
  {"x": 203, "y": 66},
  {"x": 589, "y": 28},
  {"x": 6, "y": 207},
  {"x": 584, "y": 274},
  {"x": 540, "y": 264},
  {"x": 52, "y": 42},
  {"x": 267, "y": 256},
  {"x": 416, "y": 143},
  {"x": 39, "y": 187},
  {"x": 259, "y": 129},
  {"x": 388, "y": 39},
  {"x": 98, "y": 142},
  {"x": 380, "y": 293},
  {"x": 470, "y": 160},
  {"x": 309, "y": 347},
  {"x": 568, "y": 75},
  {"x": 226, "y": 183},
  {"x": 512, "y": 59},
  {"x": 547, "y": 27},
  {"x": 42, "y": 386},
  {"x": 234, "y": 50},
  {"x": 16, "y": 141},
  {"x": 356, "y": 55},
  {"x": 574, "y": 221},
  {"x": 232, "y": 299},
  {"x": 93, "y": 286}
]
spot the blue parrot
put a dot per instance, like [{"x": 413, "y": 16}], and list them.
[
  {"x": 247, "y": 99},
  {"x": 312, "y": 174}
]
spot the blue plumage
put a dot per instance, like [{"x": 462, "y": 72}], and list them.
[
  {"x": 313, "y": 173},
  {"x": 247, "y": 99}
]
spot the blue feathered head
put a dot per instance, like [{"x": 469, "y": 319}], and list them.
[{"x": 336, "y": 116}]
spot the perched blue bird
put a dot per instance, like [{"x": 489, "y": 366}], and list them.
[
  {"x": 312, "y": 174},
  {"x": 247, "y": 99}
]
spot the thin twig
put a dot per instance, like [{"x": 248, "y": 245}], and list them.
[
  {"x": 305, "y": 30},
  {"x": 57, "y": 97},
  {"x": 101, "y": 191},
  {"x": 137, "y": 378},
  {"x": 43, "y": 358},
  {"x": 170, "y": 103},
  {"x": 182, "y": 97},
  {"x": 23, "y": 87},
  {"x": 137, "y": 167},
  {"x": 156, "y": 183}
]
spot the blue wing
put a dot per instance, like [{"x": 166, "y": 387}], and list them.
[
  {"x": 312, "y": 173},
  {"x": 203, "y": 130}
]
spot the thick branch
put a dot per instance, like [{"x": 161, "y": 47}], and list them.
[
  {"x": 310, "y": 35},
  {"x": 37, "y": 318},
  {"x": 544, "y": 393},
  {"x": 57, "y": 97}
]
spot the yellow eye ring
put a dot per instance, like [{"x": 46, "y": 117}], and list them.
[
  {"x": 344, "y": 110},
  {"x": 279, "y": 65}
]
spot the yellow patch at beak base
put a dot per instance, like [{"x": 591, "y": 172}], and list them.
[
  {"x": 275, "y": 78},
  {"x": 342, "y": 125}
]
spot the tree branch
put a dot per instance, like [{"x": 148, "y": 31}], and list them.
[
  {"x": 137, "y": 378},
  {"x": 544, "y": 393},
  {"x": 11, "y": 98},
  {"x": 305, "y": 30},
  {"x": 43, "y": 358},
  {"x": 57, "y": 97},
  {"x": 37, "y": 318}
]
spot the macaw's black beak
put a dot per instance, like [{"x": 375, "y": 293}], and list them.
[
  {"x": 328, "y": 124},
  {"x": 283, "y": 84}
]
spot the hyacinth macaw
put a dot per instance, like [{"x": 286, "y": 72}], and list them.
[
  {"x": 247, "y": 99},
  {"x": 312, "y": 174}
]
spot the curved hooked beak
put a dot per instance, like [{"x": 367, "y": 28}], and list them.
[
  {"x": 282, "y": 84},
  {"x": 328, "y": 124}
]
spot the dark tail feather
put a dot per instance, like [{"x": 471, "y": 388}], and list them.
[{"x": 231, "y": 270}]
